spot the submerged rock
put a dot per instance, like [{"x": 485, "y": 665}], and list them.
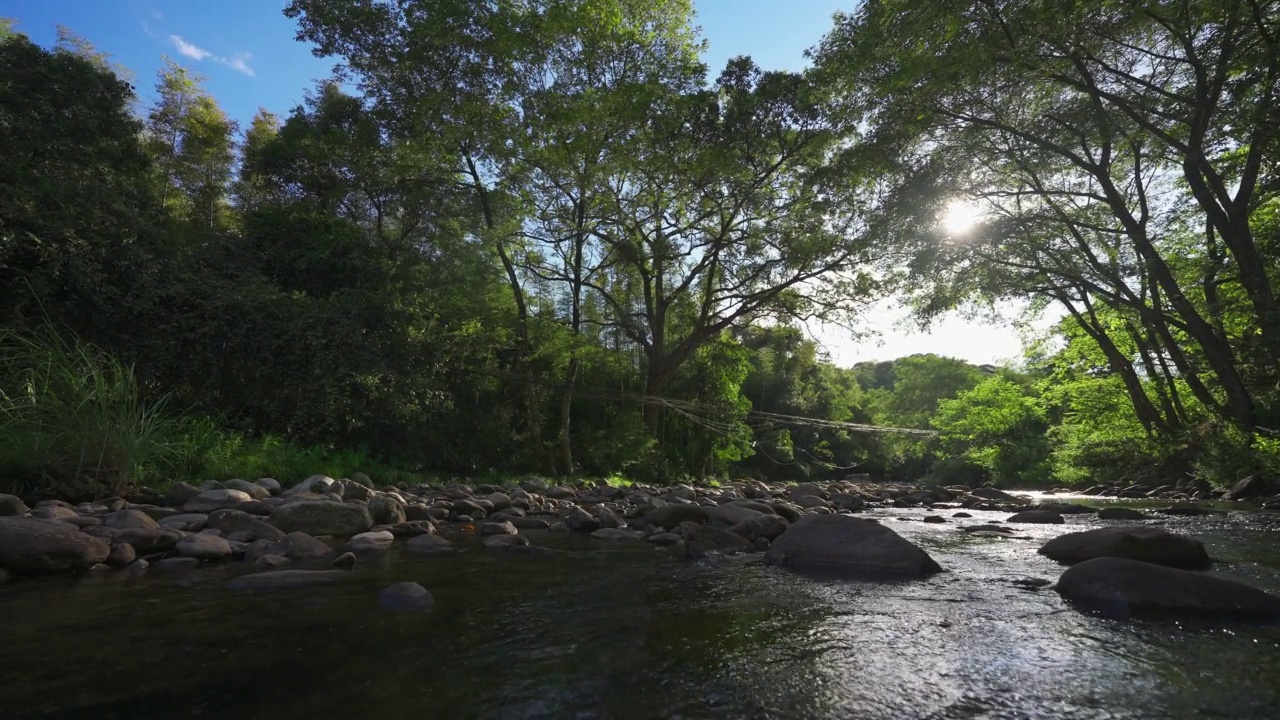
[
  {"x": 405, "y": 596},
  {"x": 428, "y": 545},
  {"x": 38, "y": 545},
  {"x": 1119, "y": 587},
  {"x": 1148, "y": 544},
  {"x": 1044, "y": 517},
  {"x": 842, "y": 543},
  {"x": 1121, "y": 513},
  {"x": 284, "y": 580}
]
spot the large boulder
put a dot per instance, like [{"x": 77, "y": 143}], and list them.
[
  {"x": 1121, "y": 513},
  {"x": 322, "y": 517},
  {"x": 1043, "y": 517},
  {"x": 702, "y": 539},
  {"x": 840, "y": 543},
  {"x": 761, "y": 526},
  {"x": 11, "y": 505},
  {"x": 1119, "y": 587},
  {"x": 581, "y": 520},
  {"x": 670, "y": 516},
  {"x": 732, "y": 514},
  {"x": 386, "y": 510},
  {"x": 1148, "y": 544},
  {"x": 1250, "y": 487},
  {"x": 40, "y": 545}
]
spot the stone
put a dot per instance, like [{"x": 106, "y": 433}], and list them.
[
  {"x": 990, "y": 493},
  {"x": 845, "y": 544},
  {"x": 961, "y": 515},
  {"x": 175, "y": 564},
  {"x": 244, "y": 525},
  {"x": 501, "y": 501},
  {"x": 1121, "y": 513},
  {"x": 82, "y": 521},
  {"x": 273, "y": 580},
  {"x": 671, "y": 516},
  {"x": 322, "y": 517},
  {"x": 11, "y": 505},
  {"x": 319, "y": 484},
  {"x": 560, "y": 492},
  {"x": 617, "y": 534},
  {"x": 405, "y": 597},
  {"x": 700, "y": 540},
  {"x": 665, "y": 538},
  {"x": 301, "y": 546},
  {"x": 180, "y": 492},
  {"x": 1250, "y": 487},
  {"x": 260, "y": 508},
  {"x": 469, "y": 508},
  {"x": 934, "y": 519},
  {"x": 786, "y": 511},
  {"x": 1121, "y": 587},
  {"x": 498, "y": 528},
  {"x": 204, "y": 546},
  {"x": 361, "y": 478},
  {"x": 271, "y": 485},
  {"x": 121, "y": 519},
  {"x": 848, "y": 502},
  {"x": 428, "y": 545},
  {"x": 1042, "y": 517},
  {"x": 42, "y": 545},
  {"x": 580, "y": 520},
  {"x": 499, "y": 542},
  {"x": 191, "y": 522},
  {"x": 1137, "y": 542},
  {"x": 345, "y": 560},
  {"x": 148, "y": 541},
  {"x": 211, "y": 500},
  {"x": 732, "y": 514},
  {"x": 386, "y": 510},
  {"x": 760, "y": 526},
  {"x": 807, "y": 490},
  {"x": 811, "y": 501},
  {"x": 988, "y": 528},
  {"x": 607, "y": 517},
  {"x": 253, "y": 490},
  {"x": 356, "y": 491},
  {"x": 271, "y": 561},
  {"x": 53, "y": 512},
  {"x": 371, "y": 541},
  {"x": 121, "y": 555},
  {"x": 1064, "y": 508}
]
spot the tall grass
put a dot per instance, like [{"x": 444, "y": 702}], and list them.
[{"x": 73, "y": 422}]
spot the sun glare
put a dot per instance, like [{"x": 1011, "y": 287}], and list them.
[{"x": 960, "y": 217}]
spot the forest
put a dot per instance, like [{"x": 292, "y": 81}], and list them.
[{"x": 543, "y": 236}]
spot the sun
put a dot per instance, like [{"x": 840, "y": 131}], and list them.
[{"x": 960, "y": 217}]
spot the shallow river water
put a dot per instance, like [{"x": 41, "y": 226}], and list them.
[{"x": 602, "y": 631}]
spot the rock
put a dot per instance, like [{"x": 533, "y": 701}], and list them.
[
  {"x": 807, "y": 490},
  {"x": 345, "y": 560},
  {"x": 498, "y": 528},
  {"x": 732, "y": 514},
  {"x": 322, "y": 517},
  {"x": 607, "y": 517},
  {"x": 301, "y": 546},
  {"x": 191, "y": 522},
  {"x": 1121, "y": 587},
  {"x": 961, "y": 515},
  {"x": 761, "y": 526},
  {"x": 260, "y": 508},
  {"x": 41, "y": 545},
  {"x": 1043, "y": 517},
  {"x": 529, "y": 523},
  {"x": 580, "y": 520},
  {"x": 211, "y": 500},
  {"x": 362, "y": 479},
  {"x": 1148, "y": 544},
  {"x": 253, "y": 490},
  {"x": 469, "y": 508},
  {"x": 499, "y": 542},
  {"x": 244, "y": 525},
  {"x": 665, "y": 538},
  {"x": 990, "y": 493},
  {"x": 428, "y": 545},
  {"x": 271, "y": 561},
  {"x": 1250, "y": 487},
  {"x": 271, "y": 485},
  {"x": 700, "y": 540},
  {"x": 355, "y": 491},
  {"x": 204, "y": 546},
  {"x": 285, "y": 580},
  {"x": 1121, "y": 513},
  {"x": 82, "y": 521},
  {"x": 147, "y": 541},
  {"x": 847, "y": 544},
  {"x": 180, "y": 492},
  {"x": 11, "y": 505},
  {"x": 671, "y": 516},
  {"x": 386, "y": 510},
  {"x": 122, "y": 554},
  {"x": 405, "y": 596},
  {"x": 810, "y": 501},
  {"x": 175, "y": 564},
  {"x": 561, "y": 493},
  {"x": 788, "y": 512},
  {"x": 371, "y": 541},
  {"x": 934, "y": 519},
  {"x": 4, "y": 577},
  {"x": 314, "y": 484},
  {"x": 617, "y": 534},
  {"x": 1184, "y": 510},
  {"x": 53, "y": 512},
  {"x": 849, "y": 502}
]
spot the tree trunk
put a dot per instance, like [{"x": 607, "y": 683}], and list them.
[{"x": 566, "y": 415}]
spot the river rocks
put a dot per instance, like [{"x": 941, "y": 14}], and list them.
[
  {"x": 961, "y": 515},
  {"x": 211, "y": 500},
  {"x": 1148, "y": 544},
  {"x": 463, "y": 507},
  {"x": 733, "y": 513},
  {"x": 1044, "y": 517},
  {"x": 607, "y": 517},
  {"x": 242, "y": 526},
  {"x": 11, "y": 505},
  {"x": 148, "y": 541},
  {"x": 502, "y": 542},
  {"x": 42, "y": 545},
  {"x": 498, "y": 528},
  {"x": 617, "y": 534},
  {"x": 53, "y": 510},
  {"x": 405, "y": 597},
  {"x": 386, "y": 510},
  {"x": 271, "y": 485},
  {"x": 700, "y": 540},
  {"x": 322, "y": 517},
  {"x": 428, "y": 545},
  {"x": 355, "y": 491},
  {"x": 1121, "y": 513},
  {"x": 990, "y": 493},
  {"x": 841, "y": 543},
  {"x": 371, "y": 541},
  {"x": 175, "y": 564},
  {"x": 580, "y": 520},
  {"x": 314, "y": 484},
  {"x": 253, "y": 490},
  {"x": 560, "y": 492},
  {"x": 848, "y": 502},
  {"x": 933, "y": 519},
  {"x": 301, "y": 546},
  {"x": 269, "y": 562},
  {"x": 121, "y": 555},
  {"x": 122, "y": 519},
  {"x": 1250, "y": 487},
  {"x": 761, "y": 526},
  {"x": 345, "y": 560},
  {"x": 1120, "y": 587},
  {"x": 285, "y": 580},
  {"x": 180, "y": 492},
  {"x": 810, "y": 502},
  {"x": 671, "y": 516},
  {"x": 204, "y": 546}
]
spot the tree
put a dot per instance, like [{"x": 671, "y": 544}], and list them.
[
  {"x": 998, "y": 426},
  {"x": 1120, "y": 150}
]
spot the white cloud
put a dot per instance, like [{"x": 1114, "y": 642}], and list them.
[
  {"x": 186, "y": 49},
  {"x": 239, "y": 63}
]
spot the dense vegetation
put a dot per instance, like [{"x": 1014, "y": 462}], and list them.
[{"x": 541, "y": 237}]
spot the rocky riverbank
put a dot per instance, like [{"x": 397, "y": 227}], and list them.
[{"x": 319, "y": 529}]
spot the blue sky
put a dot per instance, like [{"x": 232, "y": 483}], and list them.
[{"x": 246, "y": 51}]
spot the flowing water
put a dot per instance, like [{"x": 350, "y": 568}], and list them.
[{"x": 627, "y": 631}]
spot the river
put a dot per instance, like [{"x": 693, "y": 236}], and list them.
[{"x": 603, "y": 631}]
